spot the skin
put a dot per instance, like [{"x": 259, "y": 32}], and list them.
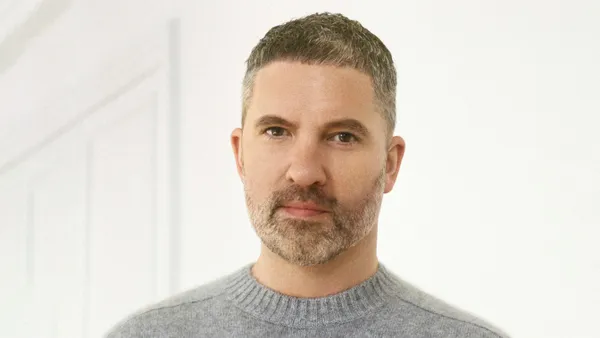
[{"x": 312, "y": 134}]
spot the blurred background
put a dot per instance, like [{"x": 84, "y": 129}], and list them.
[{"x": 118, "y": 186}]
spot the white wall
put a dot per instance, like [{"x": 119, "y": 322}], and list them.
[
  {"x": 87, "y": 136},
  {"x": 495, "y": 207}
]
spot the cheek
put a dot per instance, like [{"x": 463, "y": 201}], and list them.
[
  {"x": 260, "y": 177},
  {"x": 260, "y": 155},
  {"x": 352, "y": 180}
]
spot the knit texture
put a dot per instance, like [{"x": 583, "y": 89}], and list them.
[{"x": 237, "y": 305}]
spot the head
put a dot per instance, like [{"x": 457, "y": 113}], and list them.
[{"x": 316, "y": 150}]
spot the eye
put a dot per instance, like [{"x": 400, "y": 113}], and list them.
[
  {"x": 345, "y": 137},
  {"x": 275, "y": 132}
]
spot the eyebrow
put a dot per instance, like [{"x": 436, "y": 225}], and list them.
[
  {"x": 348, "y": 124},
  {"x": 269, "y": 120}
]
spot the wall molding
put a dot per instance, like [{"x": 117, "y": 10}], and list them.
[
  {"x": 21, "y": 21},
  {"x": 131, "y": 66},
  {"x": 146, "y": 71}
]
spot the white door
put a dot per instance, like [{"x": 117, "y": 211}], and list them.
[{"x": 88, "y": 212}]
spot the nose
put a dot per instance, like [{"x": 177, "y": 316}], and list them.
[{"x": 306, "y": 164}]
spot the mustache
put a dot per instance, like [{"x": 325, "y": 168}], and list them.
[{"x": 295, "y": 193}]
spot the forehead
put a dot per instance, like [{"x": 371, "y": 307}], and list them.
[{"x": 296, "y": 90}]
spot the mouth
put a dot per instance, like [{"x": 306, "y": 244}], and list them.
[{"x": 304, "y": 209}]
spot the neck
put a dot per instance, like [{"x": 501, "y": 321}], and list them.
[{"x": 348, "y": 269}]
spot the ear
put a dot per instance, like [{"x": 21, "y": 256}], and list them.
[
  {"x": 236, "y": 145},
  {"x": 395, "y": 154}
]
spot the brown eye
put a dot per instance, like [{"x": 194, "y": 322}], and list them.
[
  {"x": 345, "y": 137},
  {"x": 275, "y": 131}
]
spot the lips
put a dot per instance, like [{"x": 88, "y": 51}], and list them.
[
  {"x": 305, "y": 206},
  {"x": 304, "y": 209}
]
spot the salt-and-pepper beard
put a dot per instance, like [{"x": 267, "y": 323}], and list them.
[{"x": 307, "y": 243}]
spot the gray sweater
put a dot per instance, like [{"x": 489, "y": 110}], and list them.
[{"x": 237, "y": 305}]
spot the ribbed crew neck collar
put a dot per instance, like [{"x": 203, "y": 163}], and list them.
[{"x": 262, "y": 302}]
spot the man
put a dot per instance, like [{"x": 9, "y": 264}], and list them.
[{"x": 315, "y": 153}]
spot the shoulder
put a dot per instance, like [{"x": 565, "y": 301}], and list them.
[
  {"x": 442, "y": 316},
  {"x": 174, "y": 311}
]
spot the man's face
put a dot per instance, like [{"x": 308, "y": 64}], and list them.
[{"x": 314, "y": 159}]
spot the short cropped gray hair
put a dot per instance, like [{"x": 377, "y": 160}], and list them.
[{"x": 327, "y": 39}]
